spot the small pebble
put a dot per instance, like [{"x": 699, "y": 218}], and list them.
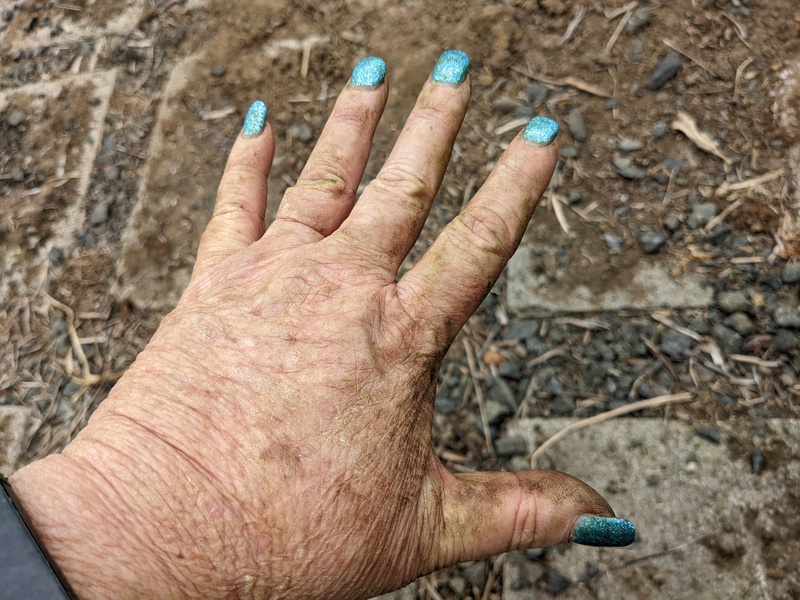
[
  {"x": 791, "y": 272},
  {"x": 612, "y": 102},
  {"x": 787, "y": 315},
  {"x": 510, "y": 446},
  {"x": 672, "y": 222},
  {"x": 18, "y": 175},
  {"x": 219, "y": 71},
  {"x": 99, "y": 214},
  {"x": 625, "y": 168},
  {"x": 629, "y": 145},
  {"x": 523, "y": 112},
  {"x": 556, "y": 583},
  {"x": 577, "y": 124},
  {"x": 733, "y": 301},
  {"x": 728, "y": 339},
  {"x": 302, "y": 132},
  {"x": 757, "y": 462},
  {"x": 536, "y": 93},
  {"x": 504, "y": 105},
  {"x": 7, "y": 15},
  {"x": 638, "y": 21},
  {"x": 614, "y": 241},
  {"x": 709, "y": 433},
  {"x": 785, "y": 341},
  {"x": 666, "y": 70},
  {"x": 659, "y": 130},
  {"x": 16, "y": 118},
  {"x": 741, "y": 323},
  {"x": 675, "y": 344},
  {"x": 701, "y": 214},
  {"x": 651, "y": 242},
  {"x": 568, "y": 152}
]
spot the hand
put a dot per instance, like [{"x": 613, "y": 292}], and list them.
[{"x": 273, "y": 439}]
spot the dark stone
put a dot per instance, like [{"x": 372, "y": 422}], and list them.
[
  {"x": 510, "y": 370},
  {"x": 757, "y": 461},
  {"x": 56, "y": 255},
  {"x": 562, "y": 406},
  {"x": 556, "y": 583},
  {"x": 638, "y": 21},
  {"x": 29, "y": 24},
  {"x": 728, "y": 339},
  {"x": 741, "y": 323},
  {"x": 651, "y": 242},
  {"x": 672, "y": 221},
  {"x": 474, "y": 572},
  {"x": 510, "y": 446},
  {"x": 577, "y": 124},
  {"x": 524, "y": 112},
  {"x": 673, "y": 164},
  {"x": 709, "y": 433},
  {"x": 733, "y": 301},
  {"x": 791, "y": 272},
  {"x": 568, "y": 152},
  {"x": 701, "y": 214},
  {"x": 659, "y": 130},
  {"x": 625, "y": 168},
  {"x": 536, "y": 93},
  {"x": 787, "y": 314},
  {"x": 666, "y": 70},
  {"x": 784, "y": 341},
  {"x": 99, "y": 214},
  {"x": 675, "y": 344},
  {"x": 447, "y": 405},
  {"x": 522, "y": 330},
  {"x": 629, "y": 145},
  {"x": 219, "y": 72},
  {"x": 612, "y": 102},
  {"x": 502, "y": 393},
  {"x": 7, "y": 15}
]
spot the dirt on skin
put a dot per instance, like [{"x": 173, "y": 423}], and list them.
[{"x": 733, "y": 55}]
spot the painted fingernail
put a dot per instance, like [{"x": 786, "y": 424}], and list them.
[
  {"x": 369, "y": 72},
  {"x": 255, "y": 120},
  {"x": 540, "y": 130},
  {"x": 594, "y": 530},
  {"x": 451, "y": 67}
]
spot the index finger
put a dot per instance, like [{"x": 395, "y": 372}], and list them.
[{"x": 458, "y": 270}]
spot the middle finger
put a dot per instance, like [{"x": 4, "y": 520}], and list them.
[{"x": 388, "y": 218}]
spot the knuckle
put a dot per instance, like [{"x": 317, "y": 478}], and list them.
[
  {"x": 484, "y": 229},
  {"x": 328, "y": 175},
  {"x": 402, "y": 182}
]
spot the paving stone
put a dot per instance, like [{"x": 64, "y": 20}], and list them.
[
  {"x": 78, "y": 142},
  {"x": 15, "y": 422},
  {"x": 539, "y": 279},
  {"x": 707, "y": 500}
]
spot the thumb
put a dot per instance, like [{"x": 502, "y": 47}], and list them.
[{"x": 484, "y": 514}]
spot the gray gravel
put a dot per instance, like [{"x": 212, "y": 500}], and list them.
[{"x": 666, "y": 70}]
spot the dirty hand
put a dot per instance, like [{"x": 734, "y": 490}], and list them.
[{"x": 274, "y": 438}]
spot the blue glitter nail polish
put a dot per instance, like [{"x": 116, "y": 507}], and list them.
[
  {"x": 369, "y": 72},
  {"x": 255, "y": 120},
  {"x": 451, "y": 67},
  {"x": 540, "y": 130},
  {"x": 593, "y": 530}
]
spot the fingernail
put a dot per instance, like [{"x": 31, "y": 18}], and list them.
[
  {"x": 594, "y": 530},
  {"x": 451, "y": 67},
  {"x": 540, "y": 130},
  {"x": 369, "y": 72},
  {"x": 255, "y": 120}
]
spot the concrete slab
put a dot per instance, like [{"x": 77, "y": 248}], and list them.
[
  {"x": 54, "y": 149},
  {"x": 576, "y": 276},
  {"x": 68, "y": 23},
  {"x": 707, "y": 527},
  {"x": 15, "y": 422}
]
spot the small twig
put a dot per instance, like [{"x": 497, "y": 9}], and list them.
[
  {"x": 618, "y": 31},
  {"x": 741, "y": 32},
  {"x": 558, "y": 208},
  {"x": 430, "y": 589},
  {"x": 568, "y": 81},
  {"x": 726, "y": 188},
  {"x": 686, "y": 124},
  {"x": 723, "y": 215},
  {"x": 694, "y": 59},
  {"x": 657, "y": 353},
  {"x": 543, "y": 358},
  {"x": 739, "y": 73},
  {"x": 493, "y": 574},
  {"x": 622, "y": 410},
  {"x": 754, "y": 360},
  {"x": 573, "y": 25},
  {"x": 672, "y": 325},
  {"x": 487, "y": 434},
  {"x": 613, "y": 14}
]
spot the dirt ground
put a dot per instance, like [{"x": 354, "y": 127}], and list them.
[{"x": 73, "y": 310}]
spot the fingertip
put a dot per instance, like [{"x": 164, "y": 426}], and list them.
[
  {"x": 255, "y": 120},
  {"x": 602, "y": 531}
]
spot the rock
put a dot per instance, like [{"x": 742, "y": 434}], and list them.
[
  {"x": 666, "y": 70},
  {"x": 536, "y": 93},
  {"x": 651, "y": 242},
  {"x": 784, "y": 341},
  {"x": 554, "y": 387},
  {"x": 458, "y": 585},
  {"x": 568, "y": 152},
  {"x": 757, "y": 462},
  {"x": 563, "y": 405},
  {"x": 556, "y": 583},
  {"x": 510, "y": 369},
  {"x": 16, "y": 118},
  {"x": 629, "y": 145},
  {"x": 741, "y": 323},
  {"x": 522, "y": 330},
  {"x": 302, "y": 132},
  {"x": 733, "y": 301},
  {"x": 673, "y": 164},
  {"x": 17, "y": 175},
  {"x": 701, "y": 214},
  {"x": 99, "y": 214},
  {"x": 728, "y": 339},
  {"x": 524, "y": 112},
  {"x": 504, "y": 105},
  {"x": 510, "y": 446},
  {"x": 614, "y": 241},
  {"x": 575, "y": 197},
  {"x": 709, "y": 433},
  {"x": 787, "y": 315},
  {"x": 576, "y": 124},
  {"x": 625, "y": 168},
  {"x": 612, "y": 102},
  {"x": 447, "y": 405},
  {"x": 638, "y": 21},
  {"x": 501, "y": 392},
  {"x": 474, "y": 572},
  {"x": 7, "y": 15},
  {"x": 675, "y": 344},
  {"x": 791, "y": 272},
  {"x": 659, "y": 130},
  {"x": 497, "y": 412},
  {"x": 672, "y": 221},
  {"x": 56, "y": 255}
]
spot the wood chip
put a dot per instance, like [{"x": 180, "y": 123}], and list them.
[
  {"x": 220, "y": 113},
  {"x": 572, "y": 27},
  {"x": 686, "y": 125},
  {"x": 568, "y": 81}
]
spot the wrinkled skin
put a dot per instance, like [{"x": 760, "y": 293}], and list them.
[{"x": 273, "y": 440}]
